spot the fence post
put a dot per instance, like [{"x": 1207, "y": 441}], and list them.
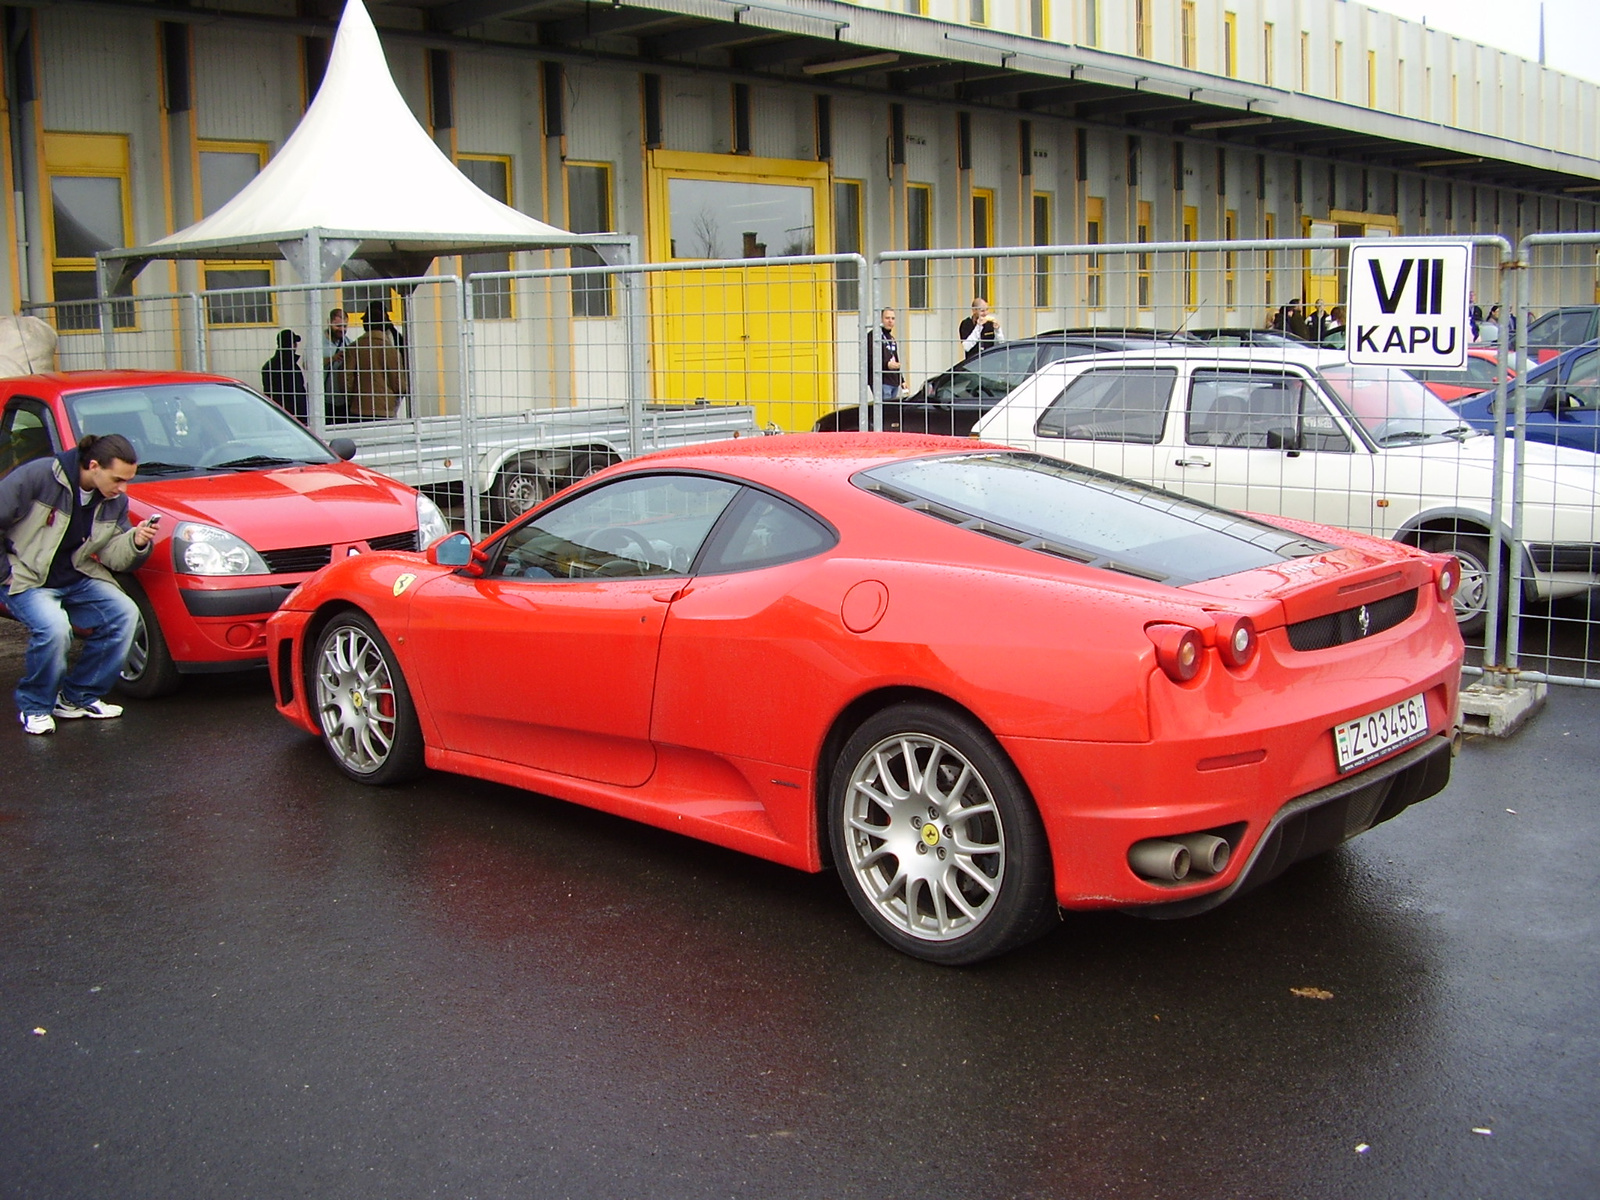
[
  {"x": 469, "y": 453},
  {"x": 108, "y": 350},
  {"x": 636, "y": 321},
  {"x": 1495, "y": 565},
  {"x": 1524, "y": 301}
]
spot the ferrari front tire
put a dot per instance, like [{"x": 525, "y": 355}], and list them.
[
  {"x": 936, "y": 838},
  {"x": 363, "y": 705}
]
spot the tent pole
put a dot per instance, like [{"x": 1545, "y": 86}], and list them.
[{"x": 316, "y": 417}]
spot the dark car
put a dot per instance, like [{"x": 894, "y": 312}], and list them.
[
  {"x": 1247, "y": 337},
  {"x": 1562, "y": 329},
  {"x": 952, "y": 401},
  {"x": 1563, "y": 401}
]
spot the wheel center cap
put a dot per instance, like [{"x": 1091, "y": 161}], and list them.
[
  {"x": 357, "y": 700},
  {"x": 930, "y": 835}
]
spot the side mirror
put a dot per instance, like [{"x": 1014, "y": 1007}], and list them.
[
  {"x": 453, "y": 550},
  {"x": 343, "y": 447}
]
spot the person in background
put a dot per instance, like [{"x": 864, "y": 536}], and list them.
[
  {"x": 336, "y": 340},
  {"x": 1334, "y": 324},
  {"x": 1474, "y": 313},
  {"x": 883, "y": 357},
  {"x": 1489, "y": 327},
  {"x": 64, "y": 531},
  {"x": 982, "y": 328},
  {"x": 372, "y": 371},
  {"x": 283, "y": 380}
]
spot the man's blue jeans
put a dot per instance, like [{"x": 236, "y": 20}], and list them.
[{"x": 49, "y": 615}]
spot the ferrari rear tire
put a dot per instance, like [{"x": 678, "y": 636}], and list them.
[
  {"x": 363, "y": 705},
  {"x": 936, "y": 838}
]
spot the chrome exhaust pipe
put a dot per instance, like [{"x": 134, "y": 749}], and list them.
[
  {"x": 1208, "y": 854},
  {"x": 1159, "y": 859}
]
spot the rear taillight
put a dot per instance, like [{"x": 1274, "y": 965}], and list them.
[
  {"x": 1448, "y": 578},
  {"x": 1178, "y": 650},
  {"x": 1236, "y": 640}
]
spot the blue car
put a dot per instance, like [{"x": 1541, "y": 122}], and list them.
[{"x": 1563, "y": 401}]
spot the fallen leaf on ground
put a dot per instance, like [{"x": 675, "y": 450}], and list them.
[{"x": 1310, "y": 993}]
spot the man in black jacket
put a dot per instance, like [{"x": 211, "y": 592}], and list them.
[
  {"x": 882, "y": 347},
  {"x": 64, "y": 529}
]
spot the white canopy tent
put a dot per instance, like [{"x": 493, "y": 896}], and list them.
[{"x": 381, "y": 202}]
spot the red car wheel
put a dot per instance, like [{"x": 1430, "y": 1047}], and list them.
[{"x": 363, "y": 705}]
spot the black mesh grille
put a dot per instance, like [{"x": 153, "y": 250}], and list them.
[
  {"x": 406, "y": 539},
  {"x": 1335, "y": 629},
  {"x": 298, "y": 559}
]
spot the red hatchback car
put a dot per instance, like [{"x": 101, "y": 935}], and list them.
[
  {"x": 251, "y": 504},
  {"x": 984, "y": 684}
]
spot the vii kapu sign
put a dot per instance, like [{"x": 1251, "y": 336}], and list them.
[{"x": 1408, "y": 304}]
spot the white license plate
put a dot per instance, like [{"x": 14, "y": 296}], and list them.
[{"x": 1358, "y": 742}]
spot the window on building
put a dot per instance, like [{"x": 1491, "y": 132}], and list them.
[
  {"x": 1043, "y": 203},
  {"x": 1400, "y": 86},
  {"x": 1091, "y": 22},
  {"x": 1191, "y": 261},
  {"x": 1266, "y": 53},
  {"x": 1455, "y": 100},
  {"x": 1230, "y": 273},
  {"x": 1143, "y": 29},
  {"x": 1039, "y": 18},
  {"x": 1230, "y": 45},
  {"x": 982, "y": 238},
  {"x": 1338, "y": 70},
  {"x": 847, "y": 240},
  {"x": 917, "y": 8},
  {"x": 919, "y": 236},
  {"x": 491, "y": 298},
  {"x": 225, "y": 170},
  {"x": 87, "y": 178},
  {"x": 1094, "y": 227},
  {"x": 1269, "y": 227},
  {"x": 1189, "y": 33},
  {"x": 1372, "y": 79},
  {"x": 589, "y": 211},
  {"x": 1305, "y": 61},
  {"x": 978, "y": 11},
  {"x": 1144, "y": 232}
]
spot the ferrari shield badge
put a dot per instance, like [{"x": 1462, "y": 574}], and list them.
[{"x": 402, "y": 583}]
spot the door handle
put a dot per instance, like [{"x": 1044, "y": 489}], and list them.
[
  {"x": 669, "y": 597},
  {"x": 1191, "y": 462}
]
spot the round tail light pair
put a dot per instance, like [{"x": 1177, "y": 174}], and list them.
[{"x": 1179, "y": 648}]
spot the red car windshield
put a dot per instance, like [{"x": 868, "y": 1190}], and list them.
[{"x": 196, "y": 427}]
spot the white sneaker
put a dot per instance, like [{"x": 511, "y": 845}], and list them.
[
  {"x": 99, "y": 710},
  {"x": 37, "y": 722}
]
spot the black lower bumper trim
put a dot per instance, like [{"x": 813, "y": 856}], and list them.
[
  {"x": 1318, "y": 821},
  {"x": 236, "y": 602}
]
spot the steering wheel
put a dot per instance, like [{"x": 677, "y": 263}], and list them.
[
  {"x": 622, "y": 540},
  {"x": 222, "y": 453}
]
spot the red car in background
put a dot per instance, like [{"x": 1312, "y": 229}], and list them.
[
  {"x": 983, "y": 684},
  {"x": 251, "y": 505},
  {"x": 1481, "y": 373}
]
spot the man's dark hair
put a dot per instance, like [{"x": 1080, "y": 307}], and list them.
[{"x": 103, "y": 447}]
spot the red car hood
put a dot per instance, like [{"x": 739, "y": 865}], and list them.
[{"x": 290, "y": 506}]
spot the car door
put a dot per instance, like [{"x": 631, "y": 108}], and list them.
[
  {"x": 744, "y": 663},
  {"x": 1567, "y": 411},
  {"x": 548, "y": 660},
  {"x": 1268, "y": 441},
  {"x": 1113, "y": 418}
]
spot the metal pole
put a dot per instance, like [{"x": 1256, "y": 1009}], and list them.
[
  {"x": 1524, "y": 302},
  {"x": 1491, "y": 645},
  {"x": 636, "y": 321},
  {"x": 469, "y": 457},
  {"x": 316, "y": 414}
]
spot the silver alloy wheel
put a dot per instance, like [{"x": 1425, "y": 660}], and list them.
[
  {"x": 133, "y": 667},
  {"x": 1472, "y": 592},
  {"x": 356, "y": 701},
  {"x": 924, "y": 837}
]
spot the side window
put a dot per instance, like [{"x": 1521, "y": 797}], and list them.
[
  {"x": 989, "y": 375},
  {"x": 25, "y": 434},
  {"x": 1583, "y": 381},
  {"x": 1480, "y": 371},
  {"x": 1112, "y": 406},
  {"x": 764, "y": 531},
  {"x": 1259, "y": 412},
  {"x": 630, "y": 528}
]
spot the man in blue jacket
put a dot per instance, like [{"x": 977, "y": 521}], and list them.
[{"x": 64, "y": 529}]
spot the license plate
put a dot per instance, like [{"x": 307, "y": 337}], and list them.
[{"x": 1358, "y": 742}]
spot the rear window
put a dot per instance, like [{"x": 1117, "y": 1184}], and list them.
[{"x": 1086, "y": 516}]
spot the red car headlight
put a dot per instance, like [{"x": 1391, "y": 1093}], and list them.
[
  {"x": 1178, "y": 650},
  {"x": 1236, "y": 641}
]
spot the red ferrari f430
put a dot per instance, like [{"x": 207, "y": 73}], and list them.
[{"x": 982, "y": 685}]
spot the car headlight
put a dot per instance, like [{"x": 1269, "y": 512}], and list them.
[
  {"x": 431, "y": 525},
  {"x": 206, "y": 550}
]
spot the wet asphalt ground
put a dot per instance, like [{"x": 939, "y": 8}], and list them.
[{"x": 226, "y": 971}]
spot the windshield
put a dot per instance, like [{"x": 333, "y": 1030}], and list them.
[
  {"x": 1086, "y": 515},
  {"x": 196, "y": 427},
  {"x": 1392, "y": 406}
]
